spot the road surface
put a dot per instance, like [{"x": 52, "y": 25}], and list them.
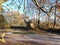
[
  {"x": 37, "y": 38},
  {"x": 53, "y": 40}
]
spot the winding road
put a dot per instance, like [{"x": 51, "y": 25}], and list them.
[
  {"x": 53, "y": 40},
  {"x": 36, "y": 38}
]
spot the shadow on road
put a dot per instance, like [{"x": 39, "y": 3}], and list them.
[
  {"x": 50, "y": 30},
  {"x": 20, "y": 28},
  {"x": 55, "y": 31}
]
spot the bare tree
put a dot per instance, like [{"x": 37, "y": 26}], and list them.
[{"x": 38, "y": 4}]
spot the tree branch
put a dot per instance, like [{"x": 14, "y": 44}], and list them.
[{"x": 36, "y": 3}]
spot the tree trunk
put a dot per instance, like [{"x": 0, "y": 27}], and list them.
[
  {"x": 54, "y": 19},
  {"x": 48, "y": 22},
  {"x": 39, "y": 18}
]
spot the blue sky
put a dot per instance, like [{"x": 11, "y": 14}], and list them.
[
  {"x": 52, "y": 1},
  {"x": 16, "y": 3}
]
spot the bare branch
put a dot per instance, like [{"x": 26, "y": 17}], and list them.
[{"x": 36, "y": 3}]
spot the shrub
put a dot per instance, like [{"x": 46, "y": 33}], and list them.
[{"x": 2, "y": 21}]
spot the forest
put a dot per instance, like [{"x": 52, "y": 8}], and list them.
[
  {"x": 42, "y": 14},
  {"x": 29, "y": 22}
]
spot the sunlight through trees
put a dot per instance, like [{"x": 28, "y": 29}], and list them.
[{"x": 37, "y": 9}]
